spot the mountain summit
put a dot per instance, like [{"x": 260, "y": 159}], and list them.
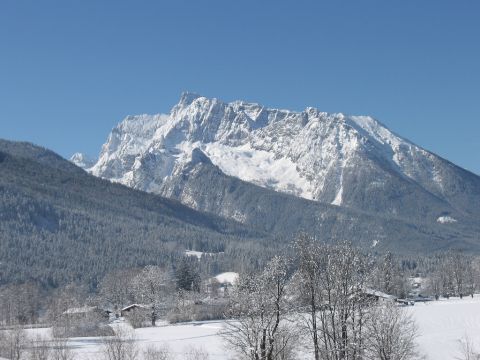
[
  {"x": 82, "y": 160},
  {"x": 352, "y": 162}
]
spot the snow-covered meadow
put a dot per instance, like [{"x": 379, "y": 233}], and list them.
[
  {"x": 442, "y": 325},
  {"x": 178, "y": 338}
]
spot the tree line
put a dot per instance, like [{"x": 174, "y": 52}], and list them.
[{"x": 336, "y": 297}]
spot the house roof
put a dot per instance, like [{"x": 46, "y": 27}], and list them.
[
  {"x": 379, "y": 294},
  {"x": 134, "y": 306}
]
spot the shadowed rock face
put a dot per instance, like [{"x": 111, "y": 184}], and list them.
[{"x": 345, "y": 164}]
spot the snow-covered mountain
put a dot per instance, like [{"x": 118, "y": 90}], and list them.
[
  {"x": 195, "y": 153},
  {"x": 82, "y": 160}
]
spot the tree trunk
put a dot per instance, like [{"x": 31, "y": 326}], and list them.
[
  {"x": 343, "y": 352},
  {"x": 263, "y": 345},
  {"x": 314, "y": 325},
  {"x": 154, "y": 317}
]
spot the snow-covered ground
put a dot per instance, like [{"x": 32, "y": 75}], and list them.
[
  {"x": 198, "y": 254},
  {"x": 178, "y": 338},
  {"x": 442, "y": 324}
]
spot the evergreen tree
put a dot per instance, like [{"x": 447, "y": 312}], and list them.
[{"x": 187, "y": 275}]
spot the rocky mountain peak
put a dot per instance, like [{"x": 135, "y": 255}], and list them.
[
  {"x": 348, "y": 161},
  {"x": 82, "y": 160}
]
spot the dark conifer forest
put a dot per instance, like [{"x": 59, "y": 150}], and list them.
[{"x": 59, "y": 225}]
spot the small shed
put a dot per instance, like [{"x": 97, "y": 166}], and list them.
[
  {"x": 379, "y": 296},
  {"x": 86, "y": 313},
  {"x": 83, "y": 321},
  {"x": 134, "y": 307}
]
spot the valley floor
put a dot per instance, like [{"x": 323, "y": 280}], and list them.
[
  {"x": 179, "y": 339},
  {"x": 442, "y": 324}
]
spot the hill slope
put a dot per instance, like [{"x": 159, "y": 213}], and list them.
[{"x": 60, "y": 224}]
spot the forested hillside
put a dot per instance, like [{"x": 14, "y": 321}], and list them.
[{"x": 59, "y": 224}]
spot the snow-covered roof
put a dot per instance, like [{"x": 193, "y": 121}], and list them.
[
  {"x": 133, "y": 306},
  {"x": 379, "y": 294},
  {"x": 229, "y": 277}
]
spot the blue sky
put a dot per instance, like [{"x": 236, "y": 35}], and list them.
[{"x": 70, "y": 70}]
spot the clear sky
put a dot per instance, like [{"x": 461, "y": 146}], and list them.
[{"x": 71, "y": 69}]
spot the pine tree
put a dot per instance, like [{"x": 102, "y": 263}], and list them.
[{"x": 187, "y": 276}]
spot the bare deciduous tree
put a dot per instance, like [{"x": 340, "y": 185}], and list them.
[
  {"x": 435, "y": 284},
  {"x": 40, "y": 348},
  {"x": 62, "y": 299},
  {"x": 468, "y": 350},
  {"x": 196, "y": 353},
  {"x": 307, "y": 280},
  {"x": 158, "y": 353},
  {"x": 13, "y": 343},
  {"x": 120, "y": 346},
  {"x": 391, "y": 334},
  {"x": 343, "y": 305},
  {"x": 61, "y": 350},
  {"x": 259, "y": 306},
  {"x": 20, "y": 304},
  {"x": 152, "y": 287},
  {"x": 115, "y": 288},
  {"x": 457, "y": 267}
]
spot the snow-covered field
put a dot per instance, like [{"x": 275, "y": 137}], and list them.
[
  {"x": 180, "y": 339},
  {"x": 442, "y": 324}
]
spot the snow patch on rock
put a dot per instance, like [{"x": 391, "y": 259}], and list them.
[
  {"x": 446, "y": 220},
  {"x": 259, "y": 167}
]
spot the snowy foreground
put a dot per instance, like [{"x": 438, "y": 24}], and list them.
[
  {"x": 179, "y": 338},
  {"x": 442, "y": 325}
]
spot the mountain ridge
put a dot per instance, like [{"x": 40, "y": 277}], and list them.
[
  {"x": 217, "y": 127},
  {"x": 353, "y": 162}
]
